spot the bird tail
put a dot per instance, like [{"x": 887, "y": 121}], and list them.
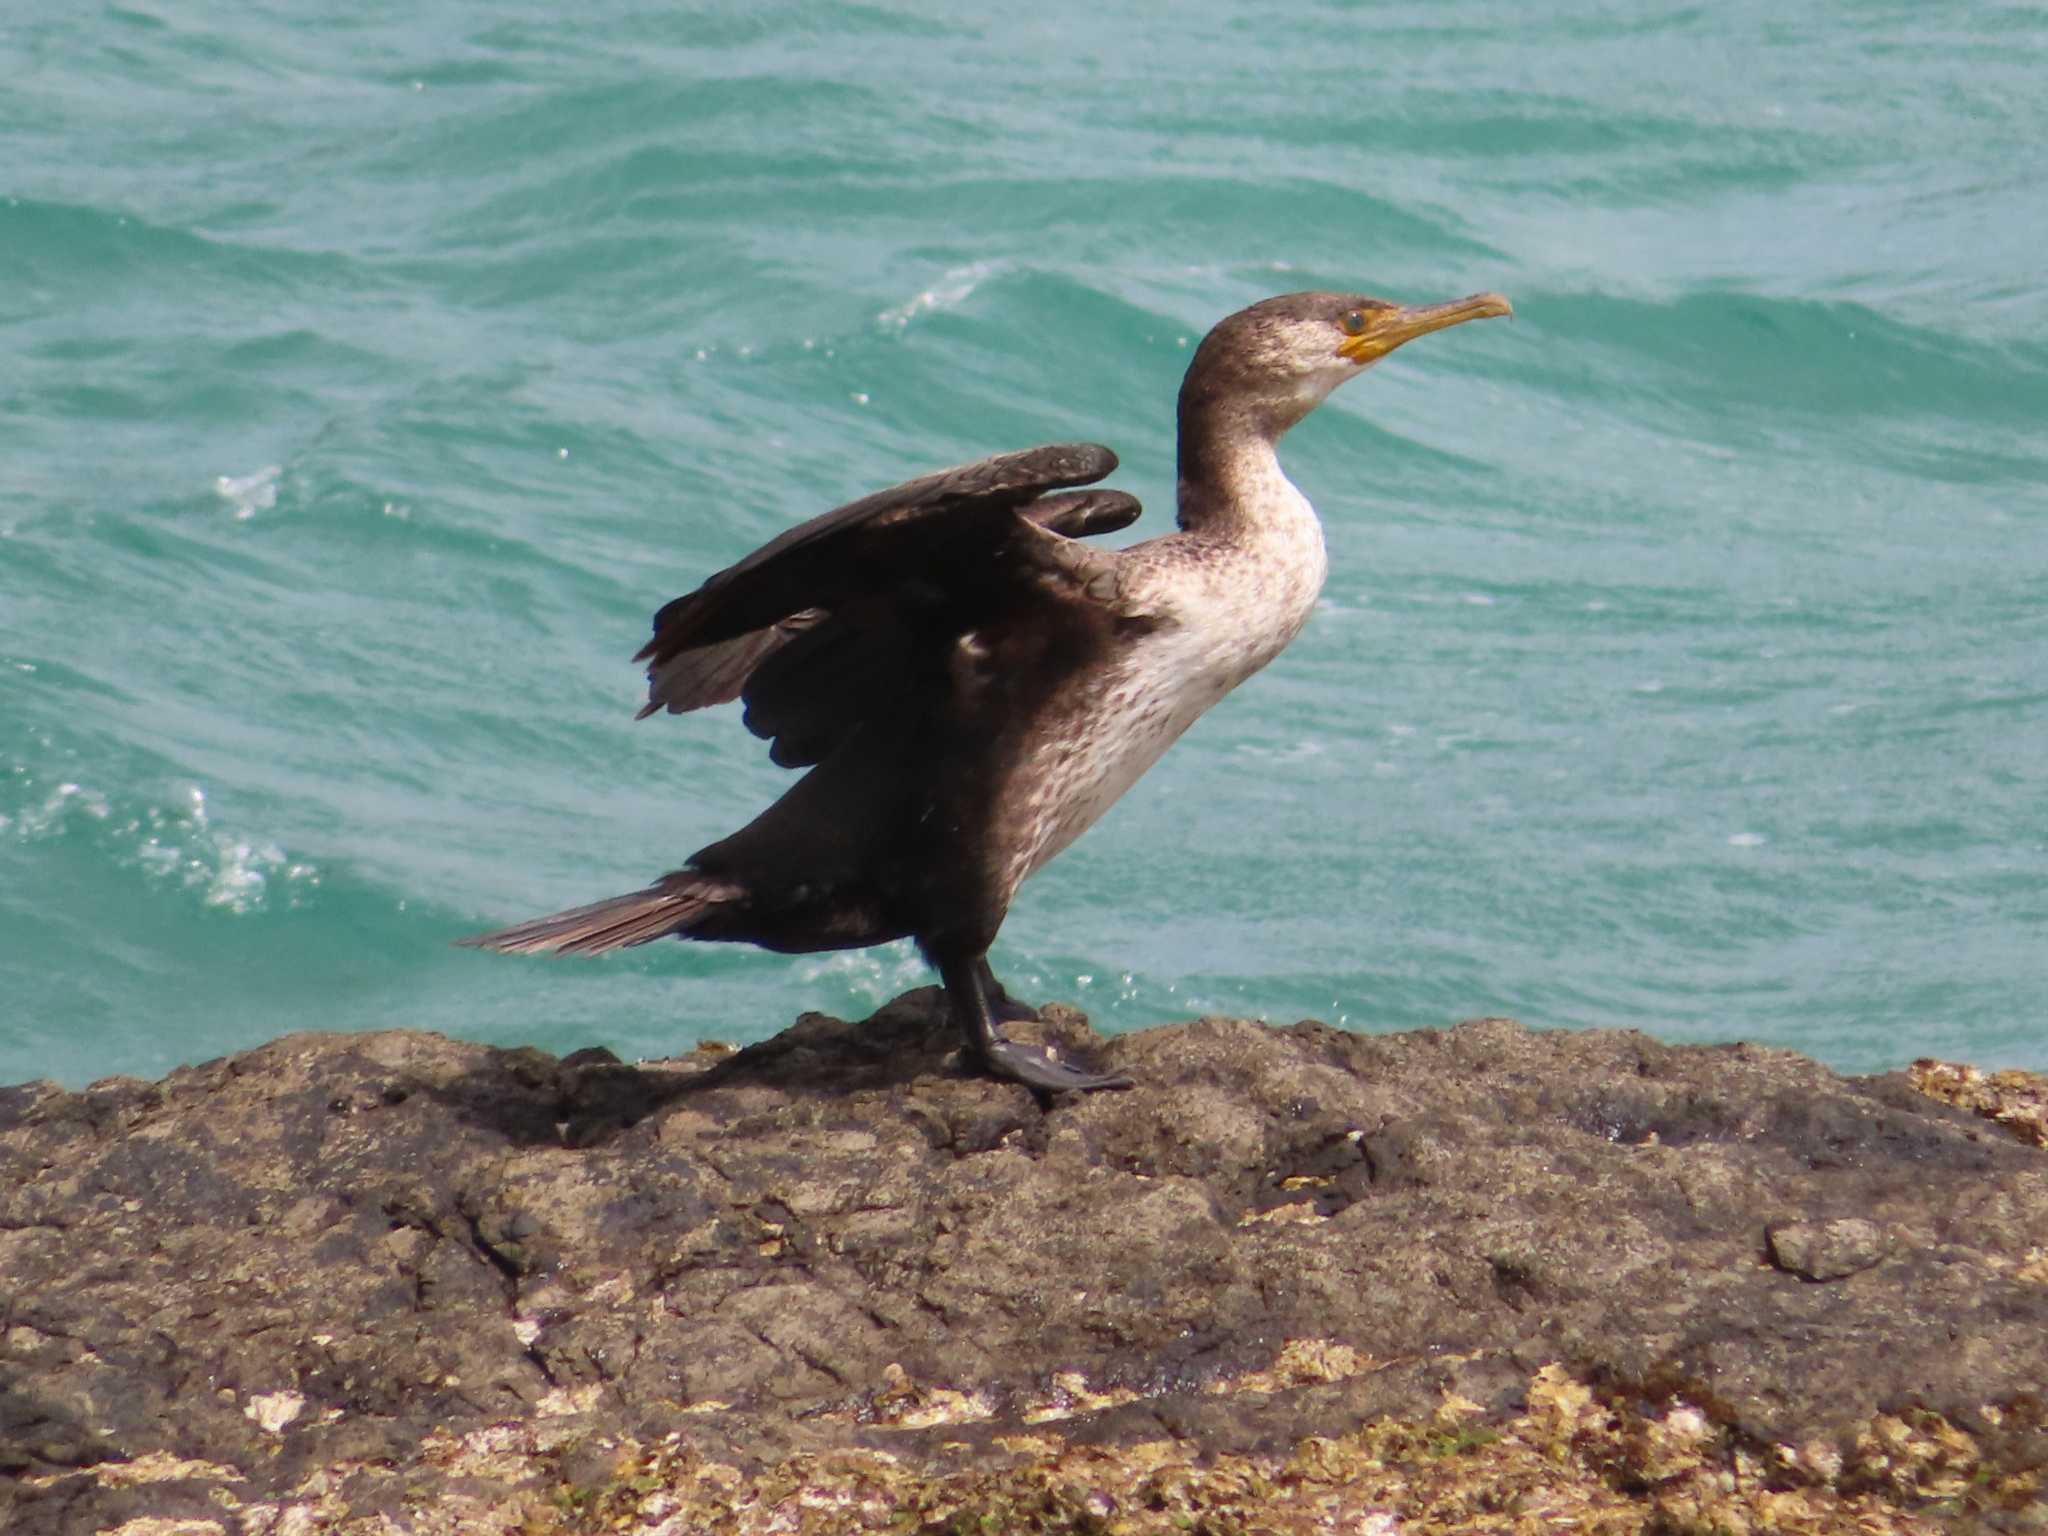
[{"x": 676, "y": 904}]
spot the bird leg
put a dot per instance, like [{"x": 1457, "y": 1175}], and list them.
[
  {"x": 972, "y": 993},
  {"x": 1005, "y": 1007}
]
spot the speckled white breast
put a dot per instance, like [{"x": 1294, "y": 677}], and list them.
[{"x": 1226, "y": 605}]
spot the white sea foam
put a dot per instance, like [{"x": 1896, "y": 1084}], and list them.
[
  {"x": 249, "y": 494},
  {"x": 873, "y": 975},
  {"x": 58, "y": 807},
  {"x": 1288, "y": 752},
  {"x": 226, "y": 869},
  {"x": 175, "y": 843},
  {"x": 951, "y": 289}
]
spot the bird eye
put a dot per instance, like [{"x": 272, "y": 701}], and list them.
[{"x": 1354, "y": 323}]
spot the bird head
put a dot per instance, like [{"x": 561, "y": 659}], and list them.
[{"x": 1279, "y": 359}]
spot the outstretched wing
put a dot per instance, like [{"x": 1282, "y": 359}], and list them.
[{"x": 823, "y": 625}]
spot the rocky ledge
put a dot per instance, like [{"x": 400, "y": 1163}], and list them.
[{"x": 1297, "y": 1279}]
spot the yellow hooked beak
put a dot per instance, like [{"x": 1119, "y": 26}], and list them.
[{"x": 1386, "y": 329}]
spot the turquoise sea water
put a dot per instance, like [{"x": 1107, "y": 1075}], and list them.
[{"x": 365, "y": 383}]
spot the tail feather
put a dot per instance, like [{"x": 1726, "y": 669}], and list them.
[{"x": 674, "y": 905}]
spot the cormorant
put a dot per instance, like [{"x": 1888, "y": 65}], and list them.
[{"x": 971, "y": 686}]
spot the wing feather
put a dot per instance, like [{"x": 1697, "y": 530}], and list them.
[
  {"x": 714, "y": 674},
  {"x": 849, "y": 617}
]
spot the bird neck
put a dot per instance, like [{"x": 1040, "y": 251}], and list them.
[{"x": 1229, "y": 471}]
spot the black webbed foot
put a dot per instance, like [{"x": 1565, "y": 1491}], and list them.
[
  {"x": 1037, "y": 1068},
  {"x": 978, "y": 1001}
]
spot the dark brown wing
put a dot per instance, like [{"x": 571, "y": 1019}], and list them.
[
  {"x": 702, "y": 675},
  {"x": 820, "y": 627}
]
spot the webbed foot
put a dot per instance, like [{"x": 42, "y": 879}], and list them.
[
  {"x": 978, "y": 1002},
  {"x": 1037, "y": 1068}
]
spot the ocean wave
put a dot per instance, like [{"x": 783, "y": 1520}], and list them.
[
  {"x": 82, "y": 251},
  {"x": 174, "y": 844},
  {"x": 953, "y": 288},
  {"x": 1714, "y": 349}
]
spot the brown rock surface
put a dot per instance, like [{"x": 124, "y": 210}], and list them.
[{"x": 299, "y": 1276}]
